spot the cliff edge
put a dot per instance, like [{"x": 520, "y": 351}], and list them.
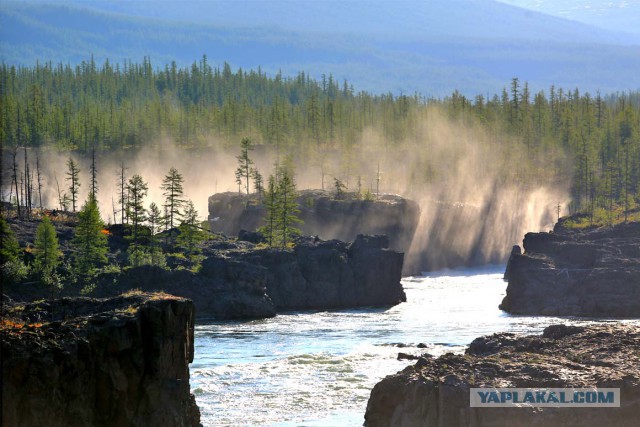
[
  {"x": 593, "y": 273},
  {"x": 121, "y": 361}
]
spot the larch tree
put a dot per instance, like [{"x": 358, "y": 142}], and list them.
[
  {"x": 73, "y": 174},
  {"x": 47, "y": 252},
  {"x": 270, "y": 203},
  {"x": 258, "y": 182},
  {"x": 93, "y": 190},
  {"x": 136, "y": 212},
  {"x": 173, "y": 192},
  {"x": 122, "y": 193},
  {"x": 288, "y": 209},
  {"x": 9, "y": 247},
  {"x": 245, "y": 162},
  {"x": 190, "y": 232},
  {"x": 89, "y": 241}
]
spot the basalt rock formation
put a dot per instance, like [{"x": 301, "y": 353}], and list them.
[
  {"x": 324, "y": 216},
  {"x": 238, "y": 280},
  {"x": 436, "y": 392},
  {"x": 122, "y": 361},
  {"x": 334, "y": 274},
  {"x": 582, "y": 273}
]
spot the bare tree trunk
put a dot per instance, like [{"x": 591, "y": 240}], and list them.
[
  {"x": 39, "y": 179},
  {"x": 15, "y": 181}
]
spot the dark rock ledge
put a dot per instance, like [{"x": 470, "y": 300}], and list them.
[
  {"x": 98, "y": 362},
  {"x": 591, "y": 273},
  {"x": 239, "y": 280},
  {"x": 435, "y": 392}
]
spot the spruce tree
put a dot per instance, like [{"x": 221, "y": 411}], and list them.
[
  {"x": 258, "y": 182},
  {"x": 270, "y": 203},
  {"x": 136, "y": 212},
  {"x": 173, "y": 192},
  {"x": 47, "y": 253},
  {"x": 288, "y": 209},
  {"x": 73, "y": 174},
  {"x": 155, "y": 224},
  {"x": 90, "y": 242},
  {"x": 9, "y": 247},
  {"x": 190, "y": 233},
  {"x": 244, "y": 163}
]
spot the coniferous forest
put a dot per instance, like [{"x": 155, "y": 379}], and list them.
[{"x": 590, "y": 140}]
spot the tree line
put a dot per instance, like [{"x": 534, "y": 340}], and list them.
[
  {"x": 109, "y": 106},
  {"x": 141, "y": 227}
]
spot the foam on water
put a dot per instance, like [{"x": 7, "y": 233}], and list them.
[{"x": 317, "y": 369}]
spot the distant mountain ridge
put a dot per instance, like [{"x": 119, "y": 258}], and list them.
[{"x": 431, "y": 47}]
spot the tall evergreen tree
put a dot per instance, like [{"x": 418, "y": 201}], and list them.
[
  {"x": 89, "y": 241},
  {"x": 136, "y": 212},
  {"x": 190, "y": 233},
  {"x": 9, "y": 247},
  {"x": 288, "y": 208},
  {"x": 47, "y": 252},
  {"x": 94, "y": 174},
  {"x": 122, "y": 193},
  {"x": 245, "y": 162},
  {"x": 173, "y": 192},
  {"x": 73, "y": 174},
  {"x": 270, "y": 202}
]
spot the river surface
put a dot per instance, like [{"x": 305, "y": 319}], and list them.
[{"x": 318, "y": 369}]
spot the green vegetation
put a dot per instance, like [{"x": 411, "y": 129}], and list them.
[
  {"x": 173, "y": 191},
  {"x": 282, "y": 210},
  {"x": 90, "y": 241},
  {"x": 244, "y": 162},
  {"x": 47, "y": 252},
  {"x": 73, "y": 175},
  {"x": 190, "y": 234},
  {"x": 137, "y": 190},
  {"x": 9, "y": 248},
  {"x": 558, "y": 136}
]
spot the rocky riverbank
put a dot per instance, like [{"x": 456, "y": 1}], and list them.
[
  {"x": 435, "y": 391},
  {"x": 593, "y": 272},
  {"x": 239, "y": 280},
  {"x": 102, "y": 362}
]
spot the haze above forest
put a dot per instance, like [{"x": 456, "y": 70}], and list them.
[{"x": 380, "y": 46}]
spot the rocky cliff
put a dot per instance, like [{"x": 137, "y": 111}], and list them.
[
  {"x": 98, "y": 362},
  {"x": 582, "y": 273},
  {"x": 334, "y": 274},
  {"x": 324, "y": 216},
  {"x": 435, "y": 392},
  {"x": 239, "y": 280}
]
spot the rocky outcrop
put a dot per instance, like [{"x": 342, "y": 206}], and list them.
[
  {"x": 581, "y": 273},
  {"x": 224, "y": 288},
  {"x": 98, "y": 362},
  {"x": 435, "y": 392},
  {"x": 324, "y": 216},
  {"x": 334, "y": 274},
  {"x": 238, "y": 280}
]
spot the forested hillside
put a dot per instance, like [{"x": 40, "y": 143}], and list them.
[
  {"x": 592, "y": 140},
  {"x": 432, "y": 47}
]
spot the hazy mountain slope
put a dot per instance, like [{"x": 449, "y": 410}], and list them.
[
  {"x": 401, "y": 18},
  {"x": 617, "y": 15},
  {"x": 433, "y": 63}
]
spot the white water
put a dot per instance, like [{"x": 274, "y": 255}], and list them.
[{"x": 318, "y": 369}]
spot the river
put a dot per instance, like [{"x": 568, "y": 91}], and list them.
[{"x": 317, "y": 369}]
